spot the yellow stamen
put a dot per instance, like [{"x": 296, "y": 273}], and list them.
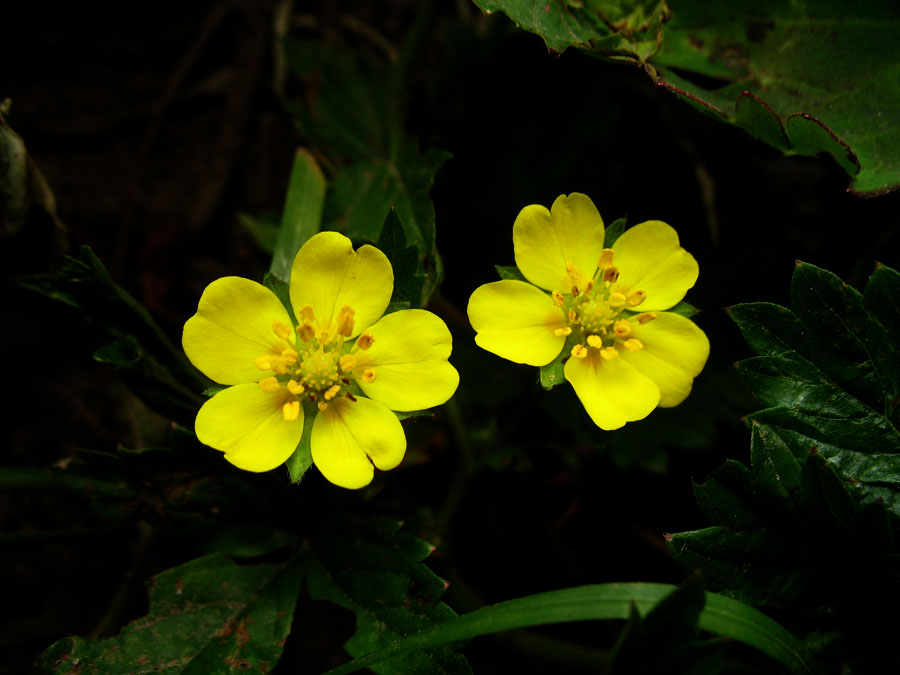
[
  {"x": 575, "y": 292},
  {"x": 572, "y": 271},
  {"x": 295, "y": 387},
  {"x": 279, "y": 365},
  {"x": 291, "y": 411},
  {"x": 645, "y": 317},
  {"x": 281, "y": 330},
  {"x": 579, "y": 351},
  {"x": 589, "y": 286},
  {"x": 562, "y": 332},
  {"x": 616, "y": 300},
  {"x": 289, "y": 356},
  {"x": 368, "y": 375},
  {"x": 572, "y": 316},
  {"x": 606, "y": 258},
  {"x": 365, "y": 341},
  {"x": 333, "y": 391},
  {"x": 609, "y": 353},
  {"x": 558, "y": 299},
  {"x": 595, "y": 341},
  {"x": 633, "y": 345},
  {"x": 622, "y": 328},
  {"x": 611, "y": 273},
  {"x": 306, "y": 332},
  {"x": 321, "y": 405},
  {"x": 345, "y": 321},
  {"x": 324, "y": 337},
  {"x": 636, "y": 297},
  {"x": 307, "y": 314},
  {"x": 347, "y": 362},
  {"x": 264, "y": 363},
  {"x": 269, "y": 385}
]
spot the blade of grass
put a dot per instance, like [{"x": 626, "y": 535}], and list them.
[{"x": 302, "y": 216}]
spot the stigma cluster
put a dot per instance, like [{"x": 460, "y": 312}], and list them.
[
  {"x": 320, "y": 370},
  {"x": 595, "y": 312}
]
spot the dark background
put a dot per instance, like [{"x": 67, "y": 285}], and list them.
[{"x": 154, "y": 125}]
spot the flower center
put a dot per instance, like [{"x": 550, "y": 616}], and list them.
[
  {"x": 321, "y": 370},
  {"x": 597, "y": 317}
]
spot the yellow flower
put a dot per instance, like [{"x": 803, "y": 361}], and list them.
[
  {"x": 604, "y": 306},
  {"x": 343, "y": 362}
]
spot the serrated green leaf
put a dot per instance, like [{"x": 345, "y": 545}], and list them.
[
  {"x": 302, "y": 216},
  {"x": 720, "y": 615},
  {"x": 210, "y": 615},
  {"x": 372, "y": 568},
  {"x": 807, "y": 78}
]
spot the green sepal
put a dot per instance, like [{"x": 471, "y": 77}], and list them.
[
  {"x": 282, "y": 291},
  {"x": 300, "y": 462},
  {"x": 510, "y": 272},
  {"x": 404, "y": 259},
  {"x": 411, "y": 414},
  {"x": 613, "y": 232},
  {"x": 685, "y": 309},
  {"x": 553, "y": 373},
  {"x": 214, "y": 389}
]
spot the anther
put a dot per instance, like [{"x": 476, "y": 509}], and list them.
[
  {"x": 562, "y": 332},
  {"x": 633, "y": 345},
  {"x": 346, "y": 321},
  {"x": 645, "y": 317},
  {"x": 589, "y": 286},
  {"x": 636, "y": 297},
  {"x": 622, "y": 328},
  {"x": 350, "y": 396},
  {"x": 281, "y": 330},
  {"x": 333, "y": 391},
  {"x": 307, "y": 314},
  {"x": 558, "y": 298},
  {"x": 616, "y": 300},
  {"x": 290, "y": 356},
  {"x": 324, "y": 337},
  {"x": 365, "y": 341},
  {"x": 269, "y": 385},
  {"x": 295, "y": 387},
  {"x": 572, "y": 271},
  {"x": 347, "y": 362},
  {"x": 264, "y": 363},
  {"x": 572, "y": 316},
  {"x": 321, "y": 405},
  {"x": 611, "y": 273},
  {"x": 291, "y": 411},
  {"x": 579, "y": 351},
  {"x": 606, "y": 257},
  {"x": 609, "y": 353},
  {"x": 368, "y": 375},
  {"x": 575, "y": 292},
  {"x": 306, "y": 332},
  {"x": 595, "y": 341}
]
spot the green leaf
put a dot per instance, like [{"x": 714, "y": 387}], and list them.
[
  {"x": 404, "y": 260},
  {"x": 720, "y": 615},
  {"x": 301, "y": 461},
  {"x": 210, "y": 615},
  {"x": 302, "y": 216},
  {"x": 806, "y": 78},
  {"x": 373, "y": 569},
  {"x": 282, "y": 290},
  {"x": 264, "y": 230},
  {"x": 554, "y": 372}
]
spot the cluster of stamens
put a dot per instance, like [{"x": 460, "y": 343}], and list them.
[
  {"x": 320, "y": 371},
  {"x": 594, "y": 312}
]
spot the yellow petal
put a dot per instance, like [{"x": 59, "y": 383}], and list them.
[
  {"x": 233, "y": 328},
  {"x": 248, "y": 425},
  {"x": 674, "y": 353},
  {"x": 409, "y": 358},
  {"x": 571, "y": 232},
  {"x": 650, "y": 258},
  {"x": 349, "y": 436},
  {"x": 328, "y": 275},
  {"x": 517, "y": 321},
  {"x": 611, "y": 391}
]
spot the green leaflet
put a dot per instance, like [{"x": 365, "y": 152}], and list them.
[
  {"x": 209, "y": 615},
  {"x": 805, "y": 77}
]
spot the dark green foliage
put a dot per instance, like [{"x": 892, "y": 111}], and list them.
[
  {"x": 209, "y": 615},
  {"x": 370, "y": 567},
  {"x": 809, "y": 530},
  {"x": 404, "y": 259}
]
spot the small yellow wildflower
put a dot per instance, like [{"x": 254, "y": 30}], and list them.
[
  {"x": 604, "y": 306},
  {"x": 354, "y": 364}
]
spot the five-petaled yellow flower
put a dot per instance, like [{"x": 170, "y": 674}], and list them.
[
  {"x": 626, "y": 356},
  {"x": 353, "y": 365}
]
